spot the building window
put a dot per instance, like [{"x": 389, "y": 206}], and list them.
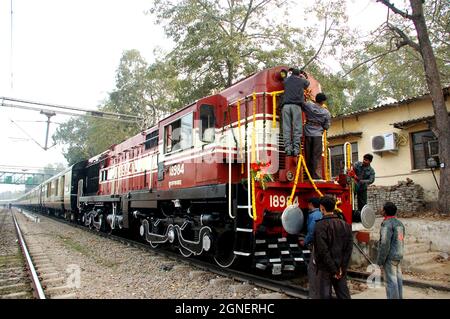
[
  {"x": 337, "y": 158},
  {"x": 178, "y": 134},
  {"x": 151, "y": 140},
  {"x": 424, "y": 145}
]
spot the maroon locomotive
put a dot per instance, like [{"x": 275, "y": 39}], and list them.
[{"x": 211, "y": 178}]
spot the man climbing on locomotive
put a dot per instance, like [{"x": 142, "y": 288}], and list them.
[
  {"x": 318, "y": 119},
  {"x": 293, "y": 100}
]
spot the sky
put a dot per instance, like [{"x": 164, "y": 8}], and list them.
[{"x": 67, "y": 51}]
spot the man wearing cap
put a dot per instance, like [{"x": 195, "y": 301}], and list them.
[
  {"x": 364, "y": 175},
  {"x": 318, "y": 119},
  {"x": 293, "y": 100}
]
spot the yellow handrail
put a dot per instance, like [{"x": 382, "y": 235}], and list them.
[
  {"x": 274, "y": 106},
  {"x": 302, "y": 162}
]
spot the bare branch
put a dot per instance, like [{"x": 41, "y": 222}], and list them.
[
  {"x": 378, "y": 56},
  {"x": 396, "y": 10},
  {"x": 325, "y": 35},
  {"x": 404, "y": 37},
  {"x": 205, "y": 7}
]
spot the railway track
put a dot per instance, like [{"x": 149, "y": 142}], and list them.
[
  {"x": 289, "y": 288},
  {"x": 26, "y": 269},
  {"x": 18, "y": 277}
]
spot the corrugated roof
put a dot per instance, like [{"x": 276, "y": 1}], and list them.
[
  {"x": 446, "y": 91},
  {"x": 404, "y": 124},
  {"x": 344, "y": 135}
]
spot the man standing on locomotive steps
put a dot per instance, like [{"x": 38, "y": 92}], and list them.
[
  {"x": 318, "y": 119},
  {"x": 291, "y": 113}
]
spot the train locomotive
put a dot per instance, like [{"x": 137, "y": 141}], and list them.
[{"x": 210, "y": 179}]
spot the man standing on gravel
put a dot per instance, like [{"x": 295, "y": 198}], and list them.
[
  {"x": 333, "y": 244},
  {"x": 390, "y": 251}
]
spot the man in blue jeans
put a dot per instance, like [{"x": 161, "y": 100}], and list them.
[
  {"x": 314, "y": 215},
  {"x": 390, "y": 251}
]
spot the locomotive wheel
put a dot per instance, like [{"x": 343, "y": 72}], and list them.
[{"x": 224, "y": 256}]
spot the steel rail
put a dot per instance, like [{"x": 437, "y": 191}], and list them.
[
  {"x": 38, "y": 291},
  {"x": 288, "y": 289},
  {"x": 270, "y": 284}
]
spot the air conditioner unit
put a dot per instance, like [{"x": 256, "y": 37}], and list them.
[{"x": 384, "y": 142}]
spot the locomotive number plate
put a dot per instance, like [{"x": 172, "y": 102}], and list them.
[
  {"x": 177, "y": 169},
  {"x": 280, "y": 200}
]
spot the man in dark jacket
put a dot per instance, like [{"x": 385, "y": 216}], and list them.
[
  {"x": 390, "y": 251},
  {"x": 318, "y": 119},
  {"x": 332, "y": 251},
  {"x": 363, "y": 175},
  {"x": 291, "y": 113}
]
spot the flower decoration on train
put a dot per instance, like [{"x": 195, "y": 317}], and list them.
[{"x": 259, "y": 173}]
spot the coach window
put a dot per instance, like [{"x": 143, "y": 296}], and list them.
[
  {"x": 151, "y": 140},
  {"x": 178, "y": 134},
  {"x": 208, "y": 123}
]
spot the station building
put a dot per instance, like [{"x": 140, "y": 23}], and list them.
[{"x": 400, "y": 136}]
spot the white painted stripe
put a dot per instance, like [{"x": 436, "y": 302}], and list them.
[
  {"x": 260, "y": 253},
  {"x": 245, "y": 230},
  {"x": 306, "y": 251},
  {"x": 285, "y": 252},
  {"x": 282, "y": 239},
  {"x": 293, "y": 245},
  {"x": 242, "y": 206},
  {"x": 275, "y": 260},
  {"x": 272, "y": 246},
  {"x": 298, "y": 259},
  {"x": 240, "y": 253},
  {"x": 260, "y": 241},
  {"x": 289, "y": 267}
]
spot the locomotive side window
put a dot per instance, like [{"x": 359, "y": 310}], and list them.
[
  {"x": 178, "y": 134},
  {"x": 151, "y": 140},
  {"x": 208, "y": 123}
]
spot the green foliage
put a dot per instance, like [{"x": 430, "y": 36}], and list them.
[
  {"x": 393, "y": 69},
  {"x": 218, "y": 42}
]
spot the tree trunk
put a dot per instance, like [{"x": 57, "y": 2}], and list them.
[{"x": 439, "y": 107}]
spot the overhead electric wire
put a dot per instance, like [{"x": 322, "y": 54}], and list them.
[
  {"x": 95, "y": 114},
  {"x": 64, "y": 107}
]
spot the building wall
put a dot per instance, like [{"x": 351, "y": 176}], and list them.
[{"x": 390, "y": 167}]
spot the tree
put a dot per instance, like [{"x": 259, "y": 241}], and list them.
[
  {"x": 433, "y": 79},
  {"x": 218, "y": 42}
]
